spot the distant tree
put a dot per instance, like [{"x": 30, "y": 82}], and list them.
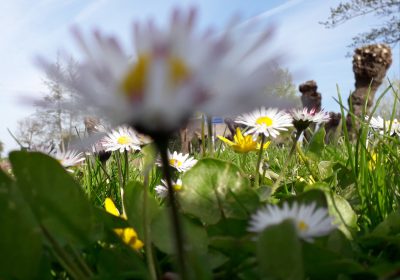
[
  {"x": 388, "y": 32},
  {"x": 52, "y": 124},
  {"x": 1, "y": 148},
  {"x": 284, "y": 86},
  {"x": 30, "y": 131}
]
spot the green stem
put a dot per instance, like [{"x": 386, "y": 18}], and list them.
[
  {"x": 147, "y": 230},
  {"x": 306, "y": 162},
  {"x": 210, "y": 136},
  {"x": 63, "y": 256},
  {"x": 243, "y": 161},
  {"x": 258, "y": 164},
  {"x": 203, "y": 137},
  {"x": 283, "y": 171},
  {"x": 162, "y": 145},
  {"x": 121, "y": 183}
]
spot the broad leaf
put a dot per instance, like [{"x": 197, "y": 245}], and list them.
[
  {"x": 279, "y": 252},
  {"x": 215, "y": 189},
  {"x": 163, "y": 238},
  {"x": 317, "y": 144},
  {"x": 57, "y": 201},
  {"x": 20, "y": 235}
]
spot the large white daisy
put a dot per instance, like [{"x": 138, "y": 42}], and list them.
[
  {"x": 266, "y": 121},
  {"x": 302, "y": 118},
  {"x": 123, "y": 139},
  {"x": 308, "y": 220},
  {"x": 176, "y": 71}
]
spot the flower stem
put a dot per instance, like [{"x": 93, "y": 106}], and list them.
[
  {"x": 260, "y": 154},
  {"x": 147, "y": 230},
  {"x": 121, "y": 183},
  {"x": 176, "y": 223},
  {"x": 203, "y": 137},
  {"x": 210, "y": 136},
  {"x": 283, "y": 171}
]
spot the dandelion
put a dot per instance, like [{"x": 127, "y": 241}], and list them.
[
  {"x": 303, "y": 118},
  {"x": 267, "y": 122},
  {"x": 128, "y": 235},
  {"x": 181, "y": 162},
  {"x": 243, "y": 144},
  {"x": 123, "y": 139},
  {"x": 309, "y": 221},
  {"x": 162, "y": 190}
]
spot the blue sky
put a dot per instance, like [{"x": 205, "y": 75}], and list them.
[{"x": 29, "y": 28}]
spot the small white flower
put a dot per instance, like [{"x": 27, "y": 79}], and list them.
[
  {"x": 266, "y": 121},
  {"x": 302, "y": 118},
  {"x": 180, "y": 162},
  {"x": 69, "y": 158},
  {"x": 382, "y": 126},
  {"x": 308, "y": 220},
  {"x": 162, "y": 190},
  {"x": 123, "y": 139}
]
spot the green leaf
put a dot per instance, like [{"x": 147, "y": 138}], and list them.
[
  {"x": 133, "y": 197},
  {"x": 162, "y": 236},
  {"x": 344, "y": 215},
  {"x": 57, "y": 201},
  {"x": 325, "y": 169},
  {"x": 279, "y": 252},
  {"x": 316, "y": 196},
  {"x": 120, "y": 262},
  {"x": 317, "y": 144},
  {"x": 20, "y": 235},
  {"x": 215, "y": 189},
  {"x": 390, "y": 226},
  {"x": 321, "y": 263}
]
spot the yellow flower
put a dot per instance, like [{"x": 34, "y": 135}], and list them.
[
  {"x": 372, "y": 161},
  {"x": 243, "y": 144},
  {"x": 128, "y": 235},
  {"x": 310, "y": 180}
]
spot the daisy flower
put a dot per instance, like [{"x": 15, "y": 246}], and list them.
[
  {"x": 243, "y": 144},
  {"x": 303, "y": 118},
  {"x": 180, "y": 162},
  {"x": 177, "y": 70},
  {"x": 268, "y": 122},
  {"x": 309, "y": 221},
  {"x": 123, "y": 139},
  {"x": 69, "y": 158},
  {"x": 382, "y": 125},
  {"x": 128, "y": 235},
  {"x": 162, "y": 190}
]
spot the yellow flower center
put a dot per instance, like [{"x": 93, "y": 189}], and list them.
[
  {"x": 123, "y": 140},
  {"x": 177, "y": 187},
  {"x": 175, "y": 162},
  {"x": 303, "y": 226},
  {"x": 264, "y": 121},
  {"x": 135, "y": 81}
]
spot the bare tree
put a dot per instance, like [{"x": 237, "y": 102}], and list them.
[
  {"x": 388, "y": 32},
  {"x": 30, "y": 131},
  {"x": 52, "y": 124},
  {"x": 1, "y": 148}
]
